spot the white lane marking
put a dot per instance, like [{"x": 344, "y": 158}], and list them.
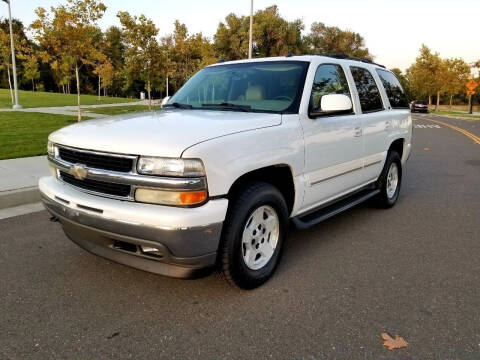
[{"x": 426, "y": 126}]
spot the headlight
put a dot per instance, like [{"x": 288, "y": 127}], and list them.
[
  {"x": 170, "y": 167},
  {"x": 50, "y": 149}
]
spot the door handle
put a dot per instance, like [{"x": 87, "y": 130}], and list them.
[{"x": 357, "y": 131}]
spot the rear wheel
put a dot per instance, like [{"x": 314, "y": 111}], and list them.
[
  {"x": 390, "y": 181},
  {"x": 253, "y": 235}
]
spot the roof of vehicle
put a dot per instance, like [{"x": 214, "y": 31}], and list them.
[{"x": 309, "y": 58}]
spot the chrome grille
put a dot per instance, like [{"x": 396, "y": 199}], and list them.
[
  {"x": 96, "y": 186},
  {"x": 96, "y": 160}
]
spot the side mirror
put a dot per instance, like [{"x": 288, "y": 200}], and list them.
[
  {"x": 165, "y": 100},
  {"x": 332, "y": 104}
]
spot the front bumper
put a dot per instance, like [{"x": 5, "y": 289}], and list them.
[{"x": 185, "y": 240}]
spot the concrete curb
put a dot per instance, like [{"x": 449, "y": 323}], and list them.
[
  {"x": 11, "y": 198},
  {"x": 19, "y": 180}
]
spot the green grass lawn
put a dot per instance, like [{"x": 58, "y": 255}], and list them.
[
  {"x": 455, "y": 113},
  {"x": 42, "y": 99},
  {"x": 25, "y": 134},
  {"x": 116, "y": 110}
]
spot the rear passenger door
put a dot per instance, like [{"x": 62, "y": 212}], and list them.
[
  {"x": 399, "y": 112},
  {"x": 375, "y": 122}
]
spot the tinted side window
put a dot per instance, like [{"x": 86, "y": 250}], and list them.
[
  {"x": 394, "y": 89},
  {"x": 329, "y": 79},
  {"x": 370, "y": 99}
]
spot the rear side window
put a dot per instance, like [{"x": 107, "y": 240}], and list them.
[
  {"x": 370, "y": 99},
  {"x": 394, "y": 90},
  {"x": 329, "y": 79}
]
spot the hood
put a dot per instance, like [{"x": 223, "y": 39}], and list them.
[{"x": 162, "y": 133}]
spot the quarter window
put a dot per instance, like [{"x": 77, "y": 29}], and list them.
[
  {"x": 370, "y": 99},
  {"x": 394, "y": 89},
  {"x": 329, "y": 79}
]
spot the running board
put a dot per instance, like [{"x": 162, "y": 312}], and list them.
[{"x": 304, "y": 221}]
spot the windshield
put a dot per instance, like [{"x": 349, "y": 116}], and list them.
[{"x": 273, "y": 86}]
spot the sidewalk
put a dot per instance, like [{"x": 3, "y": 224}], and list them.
[
  {"x": 19, "y": 181},
  {"x": 87, "y": 110}
]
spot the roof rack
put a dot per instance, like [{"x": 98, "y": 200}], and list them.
[
  {"x": 341, "y": 56},
  {"x": 347, "y": 57}
]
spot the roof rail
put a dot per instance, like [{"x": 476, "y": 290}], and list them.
[{"x": 347, "y": 57}]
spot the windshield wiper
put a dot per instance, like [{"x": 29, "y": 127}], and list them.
[
  {"x": 226, "y": 105},
  {"x": 179, "y": 106}
]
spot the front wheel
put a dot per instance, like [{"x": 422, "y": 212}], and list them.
[
  {"x": 253, "y": 235},
  {"x": 389, "y": 181}
]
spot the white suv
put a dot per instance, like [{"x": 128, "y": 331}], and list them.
[{"x": 242, "y": 148}]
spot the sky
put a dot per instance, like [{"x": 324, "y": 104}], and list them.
[{"x": 393, "y": 30}]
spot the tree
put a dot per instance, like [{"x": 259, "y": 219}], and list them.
[
  {"x": 143, "y": 55},
  {"x": 22, "y": 48},
  {"x": 272, "y": 35},
  {"x": 324, "y": 39},
  {"x": 404, "y": 82},
  {"x": 31, "y": 72},
  {"x": 454, "y": 76},
  {"x": 5, "y": 57},
  {"x": 68, "y": 37},
  {"x": 105, "y": 73},
  {"x": 114, "y": 50},
  {"x": 423, "y": 74},
  {"x": 185, "y": 54},
  {"x": 275, "y": 36},
  {"x": 231, "y": 38}
]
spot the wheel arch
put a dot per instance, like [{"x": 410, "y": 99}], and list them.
[
  {"x": 281, "y": 176},
  {"x": 398, "y": 145}
]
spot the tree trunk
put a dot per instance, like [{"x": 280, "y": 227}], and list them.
[
  {"x": 429, "y": 101},
  {"x": 451, "y": 98},
  {"x": 10, "y": 83},
  {"x": 149, "y": 89},
  {"x": 438, "y": 101},
  {"x": 33, "y": 85},
  {"x": 79, "y": 113},
  {"x": 99, "y": 86}
]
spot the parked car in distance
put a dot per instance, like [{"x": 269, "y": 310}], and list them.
[
  {"x": 242, "y": 150},
  {"x": 419, "y": 106}
]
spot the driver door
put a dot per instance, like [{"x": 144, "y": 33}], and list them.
[{"x": 333, "y": 143}]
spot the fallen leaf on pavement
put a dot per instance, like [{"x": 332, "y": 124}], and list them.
[{"x": 392, "y": 343}]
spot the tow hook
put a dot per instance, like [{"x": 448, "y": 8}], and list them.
[{"x": 54, "y": 219}]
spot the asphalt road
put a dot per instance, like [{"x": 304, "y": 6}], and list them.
[{"x": 413, "y": 270}]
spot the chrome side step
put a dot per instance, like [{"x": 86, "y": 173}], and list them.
[{"x": 304, "y": 221}]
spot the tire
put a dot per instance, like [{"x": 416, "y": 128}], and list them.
[
  {"x": 387, "y": 198},
  {"x": 249, "y": 253}
]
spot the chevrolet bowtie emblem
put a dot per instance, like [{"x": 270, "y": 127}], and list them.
[{"x": 78, "y": 171}]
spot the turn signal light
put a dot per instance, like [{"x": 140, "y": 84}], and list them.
[
  {"x": 196, "y": 197},
  {"x": 175, "y": 198}
]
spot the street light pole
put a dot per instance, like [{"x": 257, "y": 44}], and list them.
[
  {"x": 14, "y": 65},
  {"x": 250, "y": 45}
]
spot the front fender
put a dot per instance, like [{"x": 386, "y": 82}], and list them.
[{"x": 228, "y": 157}]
